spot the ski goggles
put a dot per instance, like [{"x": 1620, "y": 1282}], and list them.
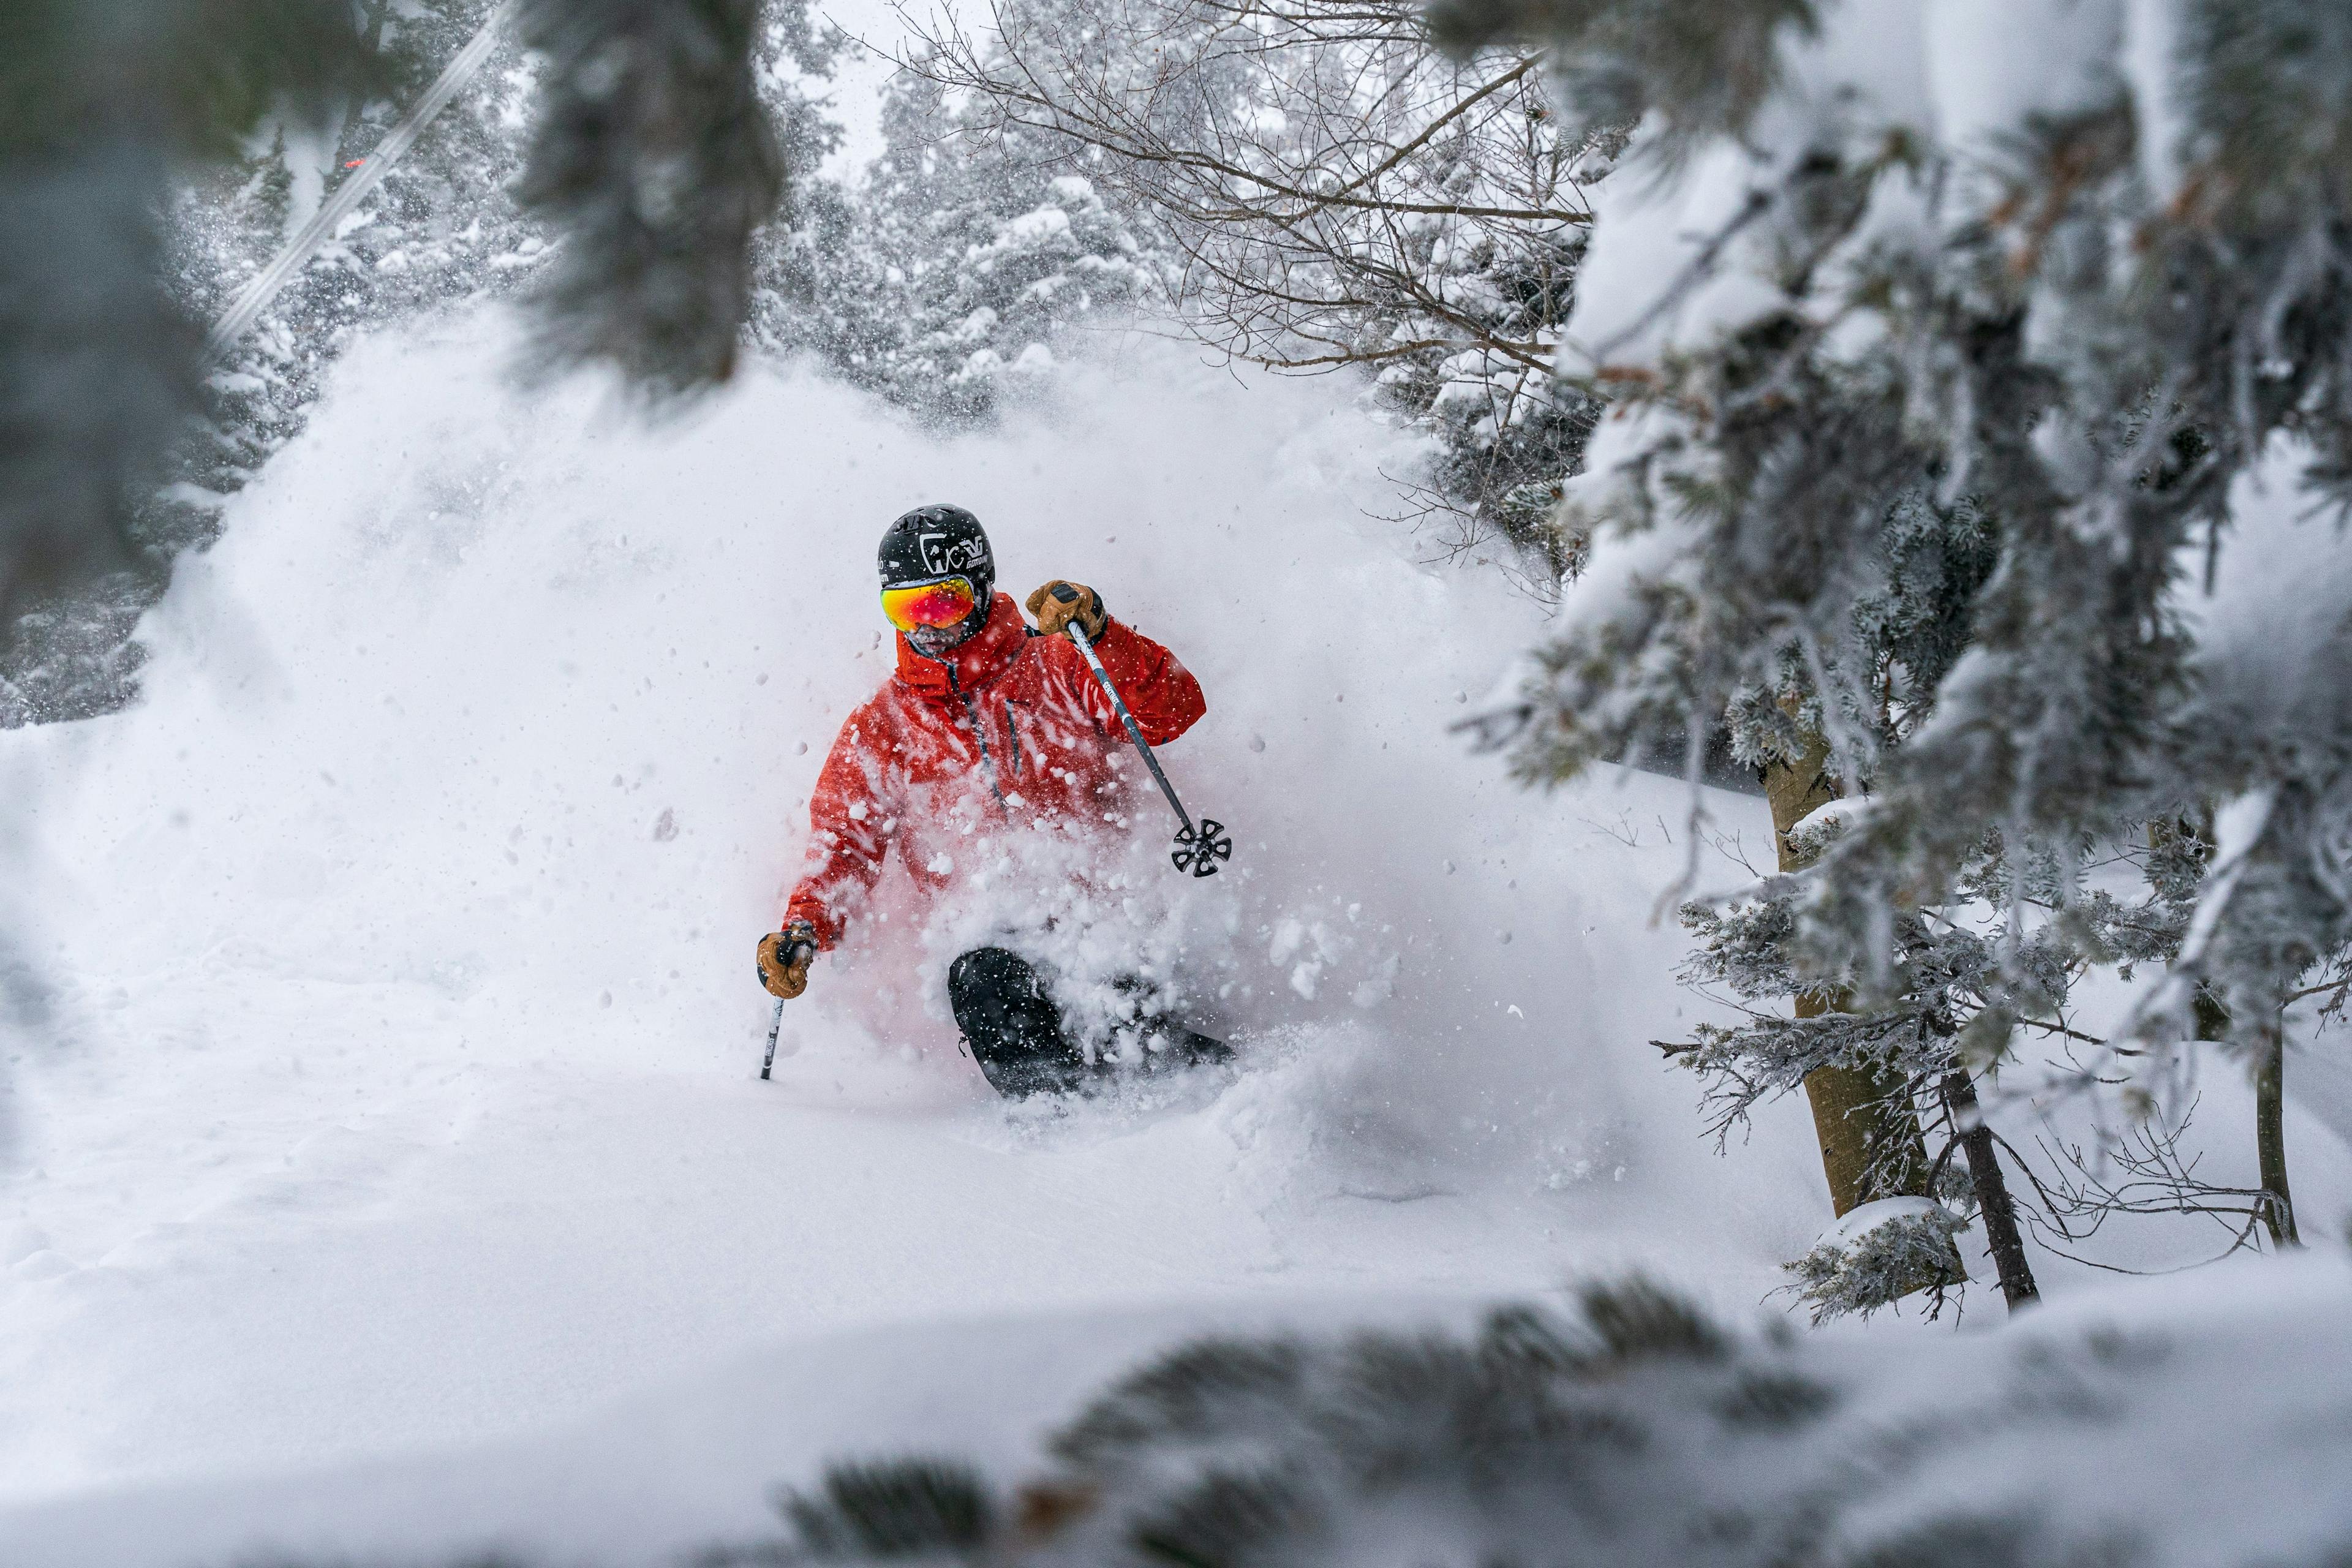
[{"x": 940, "y": 603}]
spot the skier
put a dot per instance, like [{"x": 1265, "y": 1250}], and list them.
[{"x": 984, "y": 723}]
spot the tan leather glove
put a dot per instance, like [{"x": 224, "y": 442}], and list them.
[
  {"x": 785, "y": 958},
  {"x": 1055, "y": 613}
]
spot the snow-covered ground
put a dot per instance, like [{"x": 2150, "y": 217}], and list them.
[{"x": 395, "y": 1114}]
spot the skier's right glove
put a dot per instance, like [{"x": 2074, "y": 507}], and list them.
[
  {"x": 1059, "y": 603},
  {"x": 784, "y": 957}
]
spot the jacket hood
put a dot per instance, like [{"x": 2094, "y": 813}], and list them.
[{"x": 972, "y": 663}]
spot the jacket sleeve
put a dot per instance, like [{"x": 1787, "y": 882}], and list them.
[
  {"x": 1162, "y": 693},
  {"x": 850, "y": 817}
]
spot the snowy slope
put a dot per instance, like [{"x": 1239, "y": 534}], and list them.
[{"x": 398, "y": 1088}]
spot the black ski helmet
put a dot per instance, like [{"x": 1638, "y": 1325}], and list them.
[{"x": 935, "y": 541}]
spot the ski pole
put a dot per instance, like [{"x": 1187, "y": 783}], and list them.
[
  {"x": 775, "y": 1026},
  {"x": 1198, "y": 849}
]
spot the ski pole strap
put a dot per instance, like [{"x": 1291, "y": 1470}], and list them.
[{"x": 1134, "y": 730}]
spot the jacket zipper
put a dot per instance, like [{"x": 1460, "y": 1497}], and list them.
[
  {"x": 980, "y": 734},
  {"x": 979, "y": 729}
]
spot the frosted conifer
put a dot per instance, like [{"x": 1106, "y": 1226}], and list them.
[
  {"x": 954, "y": 273},
  {"x": 1951, "y": 353}
]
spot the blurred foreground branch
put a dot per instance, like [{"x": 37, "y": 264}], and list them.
[{"x": 652, "y": 159}]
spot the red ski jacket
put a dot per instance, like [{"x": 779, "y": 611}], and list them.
[{"x": 1008, "y": 727}]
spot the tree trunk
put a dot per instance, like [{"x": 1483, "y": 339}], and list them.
[
  {"x": 2270, "y": 1114},
  {"x": 2001, "y": 1235},
  {"x": 2270, "y": 1134},
  {"x": 1871, "y": 1143}
]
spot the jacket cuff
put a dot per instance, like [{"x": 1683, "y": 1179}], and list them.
[{"x": 820, "y": 921}]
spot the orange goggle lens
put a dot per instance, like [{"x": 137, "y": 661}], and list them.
[{"x": 939, "y": 604}]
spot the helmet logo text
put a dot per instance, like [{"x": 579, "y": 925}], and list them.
[{"x": 943, "y": 553}]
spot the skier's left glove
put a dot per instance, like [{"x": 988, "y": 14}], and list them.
[
  {"x": 1055, "y": 612},
  {"x": 784, "y": 957}
]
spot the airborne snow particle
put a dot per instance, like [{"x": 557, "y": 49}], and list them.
[
  {"x": 800, "y": 748},
  {"x": 1257, "y": 742},
  {"x": 1504, "y": 937},
  {"x": 665, "y": 825}
]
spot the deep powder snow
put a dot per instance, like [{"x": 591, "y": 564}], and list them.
[{"x": 398, "y": 1087}]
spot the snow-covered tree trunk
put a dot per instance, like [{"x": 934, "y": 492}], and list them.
[{"x": 1871, "y": 1143}]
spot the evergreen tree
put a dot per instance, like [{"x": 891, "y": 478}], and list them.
[
  {"x": 950, "y": 276},
  {"x": 1931, "y": 417},
  {"x": 653, "y": 154},
  {"x": 442, "y": 229},
  {"x": 100, "y": 103}
]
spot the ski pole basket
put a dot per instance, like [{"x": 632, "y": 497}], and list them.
[{"x": 1200, "y": 849}]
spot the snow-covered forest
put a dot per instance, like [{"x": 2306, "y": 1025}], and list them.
[{"x": 1769, "y": 584}]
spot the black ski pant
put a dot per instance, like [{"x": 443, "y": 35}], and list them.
[{"x": 1015, "y": 1029}]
